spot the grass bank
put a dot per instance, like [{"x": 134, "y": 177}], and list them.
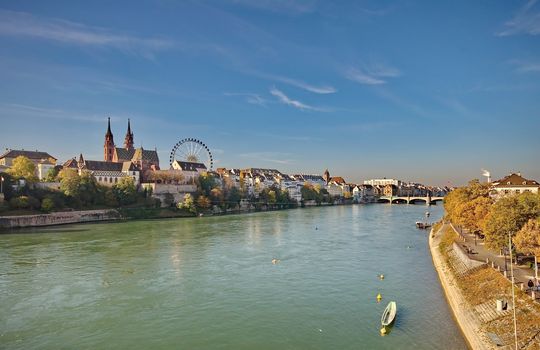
[{"x": 477, "y": 291}]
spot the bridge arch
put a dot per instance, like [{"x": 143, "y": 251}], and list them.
[
  {"x": 434, "y": 201},
  {"x": 418, "y": 200},
  {"x": 399, "y": 201},
  {"x": 383, "y": 200}
]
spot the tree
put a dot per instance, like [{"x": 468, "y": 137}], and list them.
[
  {"x": 125, "y": 191},
  {"x": 206, "y": 183},
  {"x": 188, "y": 204},
  {"x": 272, "y": 197},
  {"x": 88, "y": 189},
  {"x": 69, "y": 182},
  {"x": 47, "y": 205},
  {"x": 527, "y": 240},
  {"x": 23, "y": 167},
  {"x": 234, "y": 196},
  {"x": 51, "y": 175},
  {"x": 203, "y": 202},
  {"x": 473, "y": 214},
  {"x": 508, "y": 215}
]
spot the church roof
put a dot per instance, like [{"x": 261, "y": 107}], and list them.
[
  {"x": 71, "y": 163},
  {"x": 94, "y": 165},
  {"x": 128, "y": 166},
  {"x": 148, "y": 155},
  {"x": 124, "y": 154}
]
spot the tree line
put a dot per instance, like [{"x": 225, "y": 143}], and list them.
[{"x": 517, "y": 215}]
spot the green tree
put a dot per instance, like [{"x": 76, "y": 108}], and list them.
[
  {"x": 272, "y": 198},
  {"x": 69, "y": 182},
  {"x": 206, "y": 183},
  {"x": 23, "y": 167},
  {"x": 52, "y": 175},
  {"x": 508, "y": 215},
  {"x": 20, "y": 202},
  {"x": 47, "y": 205},
  {"x": 234, "y": 196},
  {"x": 188, "y": 204},
  {"x": 110, "y": 198},
  {"x": 125, "y": 191},
  {"x": 88, "y": 191}
]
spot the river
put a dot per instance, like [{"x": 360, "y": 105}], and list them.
[{"x": 209, "y": 283}]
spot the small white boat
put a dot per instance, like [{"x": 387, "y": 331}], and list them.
[{"x": 389, "y": 314}]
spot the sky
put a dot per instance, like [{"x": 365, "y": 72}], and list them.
[{"x": 424, "y": 91}]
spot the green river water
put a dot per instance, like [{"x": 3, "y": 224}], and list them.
[{"x": 208, "y": 283}]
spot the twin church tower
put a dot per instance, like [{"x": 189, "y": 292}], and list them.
[
  {"x": 109, "y": 147},
  {"x": 142, "y": 158}
]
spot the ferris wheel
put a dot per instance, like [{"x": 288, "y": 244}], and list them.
[{"x": 192, "y": 150}]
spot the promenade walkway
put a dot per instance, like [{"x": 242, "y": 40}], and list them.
[{"x": 479, "y": 252}]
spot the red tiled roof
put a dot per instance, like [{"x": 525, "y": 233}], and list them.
[{"x": 515, "y": 180}]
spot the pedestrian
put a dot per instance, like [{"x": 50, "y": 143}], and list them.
[{"x": 530, "y": 284}]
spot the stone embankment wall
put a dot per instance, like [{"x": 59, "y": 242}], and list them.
[
  {"x": 464, "y": 258},
  {"x": 71, "y": 217}
]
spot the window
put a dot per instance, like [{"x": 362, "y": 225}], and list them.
[
  {"x": 99, "y": 179},
  {"x": 110, "y": 179},
  {"x": 506, "y": 191},
  {"x": 115, "y": 180},
  {"x": 517, "y": 191}
]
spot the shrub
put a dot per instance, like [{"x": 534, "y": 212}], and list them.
[{"x": 47, "y": 205}]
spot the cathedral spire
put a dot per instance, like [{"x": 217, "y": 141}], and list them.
[
  {"x": 109, "y": 132},
  {"x": 128, "y": 141},
  {"x": 108, "y": 147}
]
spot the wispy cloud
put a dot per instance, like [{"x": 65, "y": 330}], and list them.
[
  {"x": 250, "y": 97},
  {"x": 526, "y": 67},
  {"x": 22, "y": 24},
  {"x": 525, "y": 21},
  {"x": 321, "y": 89},
  {"x": 272, "y": 157},
  {"x": 26, "y": 111},
  {"x": 293, "y": 103},
  {"x": 373, "y": 74},
  {"x": 317, "y": 89}
]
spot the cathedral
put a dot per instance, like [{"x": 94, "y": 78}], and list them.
[{"x": 143, "y": 159}]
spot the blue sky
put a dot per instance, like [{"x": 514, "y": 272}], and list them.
[{"x": 419, "y": 90}]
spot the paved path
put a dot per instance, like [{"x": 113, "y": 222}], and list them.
[
  {"x": 521, "y": 273},
  {"x": 467, "y": 318}
]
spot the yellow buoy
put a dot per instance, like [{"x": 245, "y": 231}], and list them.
[
  {"x": 379, "y": 297},
  {"x": 383, "y": 331},
  {"x": 381, "y": 276}
]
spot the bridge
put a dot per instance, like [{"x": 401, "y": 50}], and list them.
[{"x": 427, "y": 200}]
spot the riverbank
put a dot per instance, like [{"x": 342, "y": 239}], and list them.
[
  {"x": 468, "y": 323},
  {"x": 87, "y": 216},
  {"x": 472, "y": 289}
]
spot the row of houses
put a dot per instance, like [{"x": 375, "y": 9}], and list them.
[{"x": 143, "y": 167}]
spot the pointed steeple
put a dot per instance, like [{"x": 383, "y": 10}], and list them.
[
  {"x": 108, "y": 147},
  {"x": 326, "y": 176},
  {"x": 128, "y": 141},
  {"x": 109, "y": 132}
]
